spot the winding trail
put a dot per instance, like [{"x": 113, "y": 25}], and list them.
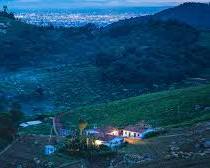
[
  {"x": 57, "y": 125},
  {"x": 54, "y": 126},
  {"x": 8, "y": 147}
]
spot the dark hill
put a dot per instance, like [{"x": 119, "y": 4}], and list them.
[
  {"x": 151, "y": 52},
  {"x": 24, "y": 45},
  {"x": 161, "y": 48},
  {"x": 86, "y": 65},
  {"x": 145, "y": 51},
  {"x": 194, "y": 14}
]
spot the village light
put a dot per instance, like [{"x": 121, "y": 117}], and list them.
[{"x": 98, "y": 142}]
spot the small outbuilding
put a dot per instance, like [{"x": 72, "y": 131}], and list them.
[
  {"x": 133, "y": 133},
  {"x": 49, "y": 150},
  {"x": 30, "y": 123},
  {"x": 115, "y": 142},
  {"x": 109, "y": 141}
]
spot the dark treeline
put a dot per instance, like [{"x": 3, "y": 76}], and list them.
[
  {"x": 153, "y": 52},
  {"x": 5, "y": 13},
  {"x": 194, "y": 14},
  {"x": 9, "y": 122}
]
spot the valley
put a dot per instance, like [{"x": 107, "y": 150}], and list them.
[{"x": 151, "y": 71}]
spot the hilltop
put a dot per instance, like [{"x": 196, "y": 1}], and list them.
[
  {"x": 194, "y": 14},
  {"x": 191, "y": 13}
]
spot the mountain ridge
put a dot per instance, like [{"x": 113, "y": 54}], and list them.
[{"x": 194, "y": 14}]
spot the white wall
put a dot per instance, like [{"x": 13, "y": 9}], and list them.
[
  {"x": 131, "y": 134},
  {"x": 114, "y": 133}
]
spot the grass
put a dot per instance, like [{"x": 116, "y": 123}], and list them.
[
  {"x": 44, "y": 129},
  {"x": 168, "y": 108}
]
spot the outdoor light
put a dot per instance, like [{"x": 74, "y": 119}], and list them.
[{"x": 98, "y": 142}]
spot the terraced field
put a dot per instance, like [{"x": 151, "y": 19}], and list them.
[{"x": 64, "y": 86}]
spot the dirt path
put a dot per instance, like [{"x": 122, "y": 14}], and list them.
[
  {"x": 54, "y": 126},
  {"x": 173, "y": 135},
  {"x": 80, "y": 163},
  {"x": 8, "y": 147}
]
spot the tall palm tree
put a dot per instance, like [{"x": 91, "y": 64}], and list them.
[
  {"x": 5, "y": 8},
  {"x": 82, "y": 125}
]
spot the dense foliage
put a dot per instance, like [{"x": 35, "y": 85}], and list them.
[
  {"x": 9, "y": 122},
  {"x": 153, "y": 52},
  {"x": 7, "y": 15},
  {"x": 84, "y": 147},
  {"x": 143, "y": 52}
]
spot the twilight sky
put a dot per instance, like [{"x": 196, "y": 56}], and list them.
[{"x": 92, "y": 3}]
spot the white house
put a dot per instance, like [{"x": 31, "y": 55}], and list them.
[
  {"x": 30, "y": 123},
  {"x": 108, "y": 136},
  {"x": 137, "y": 131},
  {"x": 132, "y": 133},
  {"x": 113, "y": 132},
  {"x": 109, "y": 141},
  {"x": 91, "y": 132}
]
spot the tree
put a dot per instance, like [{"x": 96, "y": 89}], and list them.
[
  {"x": 5, "y": 8},
  {"x": 16, "y": 113},
  {"x": 9, "y": 121},
  {"x": 7, "y": 128},
  {"x": 82, "y": 125}
]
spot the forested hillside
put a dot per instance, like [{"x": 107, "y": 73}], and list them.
[
  {"x": 147, "y": 52},
  {"x": 70, "y": 67},
  {"x": 153, "y": 52}
]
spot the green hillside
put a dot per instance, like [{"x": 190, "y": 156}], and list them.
[
  {"x": 162, "y": 109},
  {"x": 84, "y": 66}
]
